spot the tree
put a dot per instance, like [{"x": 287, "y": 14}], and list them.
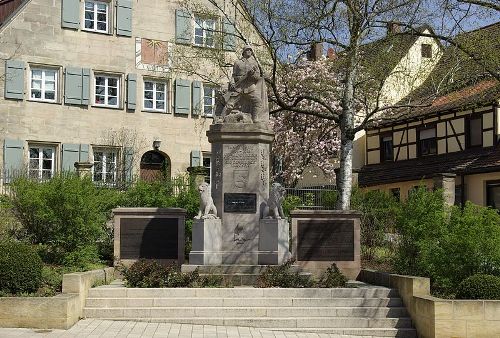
[{"x": 351, "y": 91}]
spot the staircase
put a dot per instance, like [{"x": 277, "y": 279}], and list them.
[{"x": 364, "y": 311}]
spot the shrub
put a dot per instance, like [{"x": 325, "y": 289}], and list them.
[
  {"x": 329, "y": 199},
  {"x": 66, "y": 213},
  {"x": 331, "y": 278},
  {"x": 479, "y": 287},
  {"x": 379, "y": 211},
  {"x": 145, "y": 274},
  {"x": 20, "y": 268},
  {"x": 290, "y": 202},
  {"x": 282, "y": 276},
  {"x": 150, "y": 274}
]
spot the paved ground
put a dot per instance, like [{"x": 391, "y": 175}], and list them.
[{"x": 108, "y": 328}]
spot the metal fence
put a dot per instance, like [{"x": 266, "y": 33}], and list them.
[{"x": 317, "y": 198}]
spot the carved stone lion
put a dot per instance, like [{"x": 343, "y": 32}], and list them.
[
  {"x": 274, "y": 208},
  {"x": 206, "y": 203}
]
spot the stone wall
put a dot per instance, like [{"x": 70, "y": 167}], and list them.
[{"x": 436, "y": 317}]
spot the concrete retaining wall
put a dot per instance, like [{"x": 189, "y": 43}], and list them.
[
  {"x": 436, "y": 317},
  {"x": 58, "y": 312}
]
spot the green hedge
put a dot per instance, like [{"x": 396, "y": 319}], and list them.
[
  {"x": 479, "y": 287},
  {"x": 20, "y": 268}
]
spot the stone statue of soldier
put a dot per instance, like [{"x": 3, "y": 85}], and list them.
[{"x": 245, "y": 89}]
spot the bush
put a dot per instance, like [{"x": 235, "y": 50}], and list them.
[
  {"x": 67, "y": 214},
  {"x": 20, "y": 268},
  {"x": 329, "y": 199},
  {"x": 379, "y": 211},
  {"x": 332, "y": 278},
  {"x": 281, "y": 276},
  {"x": 150, "y": 274},
  {"x": 479, "y": 287},
  {"x": 289, "y": 203}
]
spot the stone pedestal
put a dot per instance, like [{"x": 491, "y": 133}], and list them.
[
  {"x": 240, "y": 186},
  {"x": 206, "y": 247},
  {"x": 273, "y": 241},
  {"x": 446, "y": 181}
]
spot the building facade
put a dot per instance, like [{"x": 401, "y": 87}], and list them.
[{"x": 94, "y": 81}]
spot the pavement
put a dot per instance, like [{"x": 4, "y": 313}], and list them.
[{"x": 109, "y": 328}]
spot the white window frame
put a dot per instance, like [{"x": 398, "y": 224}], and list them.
[
  {"x": 212, "y": 96},
  {"x": 107, "y": 77},
  {"x": 155, "y": 92},
  {"x": 40, "y": 159},
  {"x": 43, "y": 84},
  {"x": 105, "y": 153},
  {"x": 210, "y": 165},
  {"x": 205, "y": 28},
  {"x": 95, "y": 4}
]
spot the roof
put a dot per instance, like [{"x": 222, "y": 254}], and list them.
[
  {"x": 470, "y": 161},
  {"x": 457, "y": 81}
]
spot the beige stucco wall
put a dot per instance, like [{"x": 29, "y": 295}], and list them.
[
  {"x": 35, "y": 35},
  {"x": 476, "y": 186}
]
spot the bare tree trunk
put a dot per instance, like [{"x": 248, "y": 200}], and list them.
[{"x": 344, "y": 180}]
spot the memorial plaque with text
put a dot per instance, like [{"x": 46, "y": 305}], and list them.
[
  {"x": 151, "y": 238},
  {"x": 325, "y": 240},
  {"x": 239, "y": 202}
]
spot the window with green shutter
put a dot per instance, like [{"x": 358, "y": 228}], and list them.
[
  {"x": 14, "y": 79},
  {"x": 13, "y": 157},
  {"x": 124, "y": 17},
  {"x": 76, "y": 86},
  {"x": 70, "y": 16},
  {"x": 183, "y": 27}
]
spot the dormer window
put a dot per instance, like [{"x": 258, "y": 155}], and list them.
[{"x": 426, "y": 50}]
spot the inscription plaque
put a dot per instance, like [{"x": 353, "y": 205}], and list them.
[
  {"x": 236, "y": 202},
  {"x": 240, "y": 156},
  {"x": 151, "y": 238},
  {"x": 325, "y": 240}
]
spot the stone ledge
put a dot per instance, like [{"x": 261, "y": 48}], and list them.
[
  {"x": 59, "y": 312},
  {"x": 436, "y": 317}
]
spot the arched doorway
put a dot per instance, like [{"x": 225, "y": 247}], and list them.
[{"x": 155, "y": 165}]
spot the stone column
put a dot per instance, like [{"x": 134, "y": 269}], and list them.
[
  {"x": 446, "y": 181},
  {"x": 240, "y": 186},
  {"x": 84, "y": 169}
]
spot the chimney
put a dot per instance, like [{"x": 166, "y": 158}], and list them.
[
  {"x": 316, "y": 51},
  {"x": 330, "y": 54},
  {"x": 393, "y": 28}
]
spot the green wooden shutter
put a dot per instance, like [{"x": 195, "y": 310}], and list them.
[
  {"x": 131, "y": 91},
  {"x": 124, "y": 17},
  {"x": 70, "y": 155},
  {"x": 183, "y": 27},
  {"x": 128, "y": 158},
  {"x": 70, "y": 17},
  {"x": 84, "y": 153},
  {"x": 182, "y": 96},
  {"x": 86, "y": 86},
  {"x": 77, "y": 86},
  {"x": 13, "y": 155},
  {"x": 229, "y": 40},
  {"x": 14, "y": 79},
  {"x": 196, "y": 160},
  {"x": 197, "y": 98}
]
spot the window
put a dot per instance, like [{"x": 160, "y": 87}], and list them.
[
  {"x": 386, "y": 151},
  {"x": 106, "y": 90},
  {"x": 104, "y": 169},
  {"x": 207, "y": 163},
  {"x": 396, "y": 193},
  {"x": 493, "y": 194},
  {"x": 204, "y": 30},
  {"x": 96, "y": 16},
  {"x": 209, "y": 100},
  {"x": 155, "y": 96},
  {"x": 426, "y": 50},
  {"x": 41, "y": 164},
  {"x": 474, "y": 132},
  {"x": 43, "y": 85},
  {"x": 427, "y": 142}
]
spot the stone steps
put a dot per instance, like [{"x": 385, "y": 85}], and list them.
[
  {"x": 374, "y": 311},
  {"x": 250, "y": 302}
]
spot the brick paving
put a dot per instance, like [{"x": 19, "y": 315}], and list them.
[{"x": 109, "y": 328}]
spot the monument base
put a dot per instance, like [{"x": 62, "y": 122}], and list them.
[
  {"x": 273, "y": 241},
  {"x": 207, "y": 236}
]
